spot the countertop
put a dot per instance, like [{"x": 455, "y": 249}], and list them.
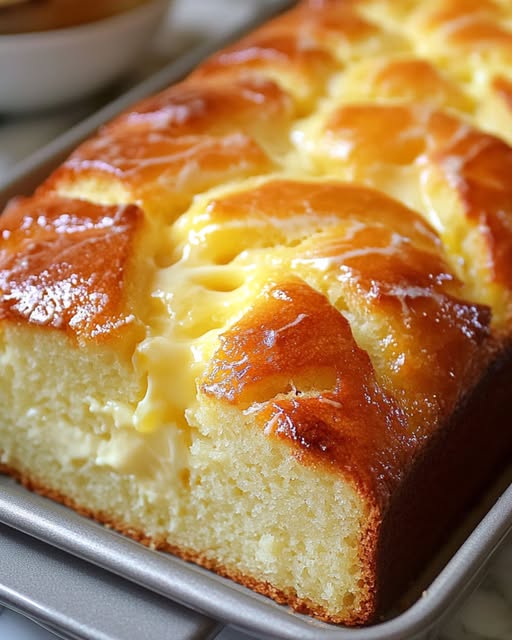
[{"x": 487, "y": 614}]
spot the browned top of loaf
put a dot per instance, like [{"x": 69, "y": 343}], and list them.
[
  {"x": 65, "y": 263},
  {"x": 292, "y": 358},
  {"x": 181, "y": 142},
  {"x": 474, "y": 165},
  {"x": 197, "y": 107}
]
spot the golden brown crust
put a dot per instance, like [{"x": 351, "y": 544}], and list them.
[
  {"x": 438, "y": 491},
  {"x": 472, "y": 164},
  {"x": 503, "y": 87},
  {"x": 482, "y": 181},
  {"x": 293, "y": 362},
  {"x": 159, "y": 167},
  {"x": 281, "y": 212},
  {"x": 474, "y": 25},
  {"x": 374, "y": 258},
  {"x": 253, "y": 106},
  {"x": 65, "y": 264},
  {"x": 278, "y": 46},
  {"x": 416, "y": 80}
]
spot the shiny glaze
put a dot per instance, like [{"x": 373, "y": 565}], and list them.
[
  {"x": 183, "y": 141},
  {"x": 366, "y": 134},
  {"x": 474, "y": 166},
  {"x": 279, "y": 50},
  {"x": 65, "y": 264},
  {"x": 481, "y": 176},
  {"x": 503, "y": 87},
  {"x": 303, "y": 47},
  {"x": 292, "y": 362},
  {"x": 379, "y": 262},
  {"x": 414, "y": 79},
  {"x": 332, "y": 24},
  {"x": 159, "y": 167},
  {"x": 284, "y": 211},
  {"x": 339, "y": 28},
  {"x": 469, "y": 23},
  {"x": 192, "y": 108},
  {"x": 445, "y": 11},
  {"x": 471, "y": 38},
  {"x": 426, "y": 339}
]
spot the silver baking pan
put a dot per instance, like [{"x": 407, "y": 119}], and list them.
[
  {"x": 76, "y": 599},
  {"x": 155, "y": 578}
]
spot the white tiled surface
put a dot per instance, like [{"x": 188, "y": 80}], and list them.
[{"x": 487, "y": 615}]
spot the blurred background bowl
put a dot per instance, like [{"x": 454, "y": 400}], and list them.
[{"x": 45, "y": 69}]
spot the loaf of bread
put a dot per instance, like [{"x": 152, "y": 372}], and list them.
[{"x": 262, "y": 320}]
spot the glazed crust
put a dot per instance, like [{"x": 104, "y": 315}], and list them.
[{"x": 66, "y": 264}]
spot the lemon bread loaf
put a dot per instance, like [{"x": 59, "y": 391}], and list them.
[{"x": 262, "y": 320}]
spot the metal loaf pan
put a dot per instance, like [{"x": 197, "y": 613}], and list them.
[
  {"x": 450, "y": 578},
  {"x": 75, "y": 599}
]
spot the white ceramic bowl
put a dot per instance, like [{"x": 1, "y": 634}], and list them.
[{"x": 44, "y": 69}]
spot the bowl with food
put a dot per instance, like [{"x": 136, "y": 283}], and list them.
[{"x": 54, "y": 52}]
